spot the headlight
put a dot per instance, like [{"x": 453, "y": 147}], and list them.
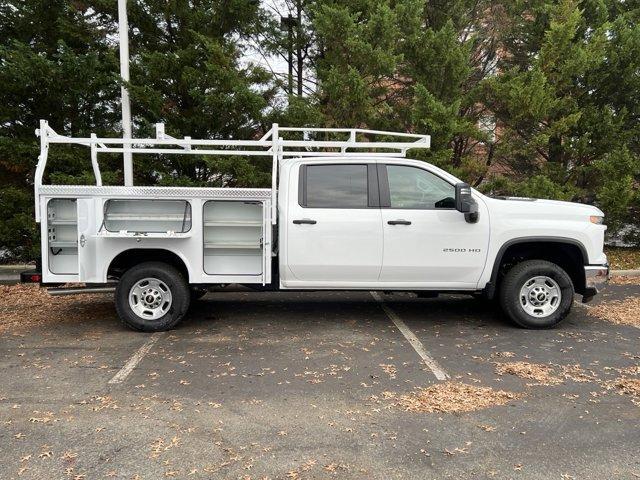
[{"x": 597, "y": 219}]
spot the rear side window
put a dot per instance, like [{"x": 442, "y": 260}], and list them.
[{"x": 334, "y": 186}]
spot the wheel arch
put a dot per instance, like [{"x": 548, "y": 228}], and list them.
[
  {"x": 134, "y": 256},
  {"x": 568, "y": 253}
]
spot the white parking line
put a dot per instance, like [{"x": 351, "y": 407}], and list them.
[
  {"x": 417, "y": 345},
  {"x": 128, "y": 367}
]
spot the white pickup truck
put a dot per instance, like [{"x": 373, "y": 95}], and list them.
[{"x": 342, "y": 214}]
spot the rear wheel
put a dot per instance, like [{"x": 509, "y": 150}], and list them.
[
  {"x": 152, "y": 297},
  {"x": 536, "y": 294}
]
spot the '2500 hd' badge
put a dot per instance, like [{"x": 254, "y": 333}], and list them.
[{"x": 461, "y": 250}]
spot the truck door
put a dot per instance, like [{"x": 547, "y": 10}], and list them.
[
  {"x": 426, "y": 240},
  {"x": 88, "y": 255},
  {"x": 334, "y": 228}
]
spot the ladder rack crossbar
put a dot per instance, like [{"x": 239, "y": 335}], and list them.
[
  {"x": 103, "y": 142},
  {"x": 250, "y": 153},
  {"x": 350, "y": 130}
]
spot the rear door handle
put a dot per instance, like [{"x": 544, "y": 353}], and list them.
[
  {"x": 399, "y": 222},
  {"x": 306, "y": 221}
]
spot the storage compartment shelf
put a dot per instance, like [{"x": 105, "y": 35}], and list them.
[
  {"x": 131, "y": 234},
  {"x": 248, "y": 245},
  {"x": 62, "y": 222},
  {"x": 235, "y": 253},
  {"x": 232, "y": 223},
  {"x": 143, "y": 218},
  {"x": 68, "y": 244}
]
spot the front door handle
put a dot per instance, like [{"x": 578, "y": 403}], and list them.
[
  {"x": 306, "y": 221},
  {"x": 399, "y": 222}
]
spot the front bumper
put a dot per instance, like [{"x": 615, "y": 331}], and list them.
[{"x": 595, "y": 278}]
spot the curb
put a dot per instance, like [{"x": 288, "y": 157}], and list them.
[
  {"x": 625, "y": 273},
  {"x": 11, "y": 273},
  {"x": 18, "y": 267},
  {"x": 9, "y": 278}
]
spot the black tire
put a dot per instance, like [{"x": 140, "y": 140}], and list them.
[
  {"x": 513, "y": 304},
  {"x": 169, "y": 278}
]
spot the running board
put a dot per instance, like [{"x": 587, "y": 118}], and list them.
[{"x": 59, "y": 291}]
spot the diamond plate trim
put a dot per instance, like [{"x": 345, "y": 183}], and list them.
[{"x": 156, "y": 192}]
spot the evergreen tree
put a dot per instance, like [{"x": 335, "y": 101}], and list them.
[
  {"x": 410, "y": 65},
  {"x": 529, "y": 97},
  {"x": 449, "y": 48},
  {"x": 56, "y": 63},
  {"x": 186, "y": 71},
  {"x": 567, "y": 131}
]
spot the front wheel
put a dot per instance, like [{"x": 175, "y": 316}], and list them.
[
  {"x": 536, "y": 294},
  {"x": 152, "y": 297}
]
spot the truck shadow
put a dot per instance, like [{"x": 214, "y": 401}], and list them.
[{"x": 326, "y": 308}]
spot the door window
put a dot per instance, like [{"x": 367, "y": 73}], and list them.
[
  {"x": 415, "y": 188},
  {"x": 334, "y": 186}
]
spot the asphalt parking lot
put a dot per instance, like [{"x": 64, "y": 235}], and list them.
[{"x": 306, "y": 385}]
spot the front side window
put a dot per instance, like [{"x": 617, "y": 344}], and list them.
[
  {"x": 335, "y": 186},
  {"x": 415, "y": 188}
]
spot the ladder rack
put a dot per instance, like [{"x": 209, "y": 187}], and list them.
[{"x": 271, "y": 144}]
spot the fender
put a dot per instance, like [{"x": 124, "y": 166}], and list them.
[
  {"x": 490, "y": 288},
  {"x": 148, "y": 249}
]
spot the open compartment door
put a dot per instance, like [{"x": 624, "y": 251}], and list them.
[
  {"x": 267, "y": 240},
  {"x": 59, "y": 232},
  {"x": 88, "y": 224},
  {"x": 237, "y": 240}
]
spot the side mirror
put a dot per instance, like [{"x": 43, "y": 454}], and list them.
[{"x": 465, "y": 202}]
